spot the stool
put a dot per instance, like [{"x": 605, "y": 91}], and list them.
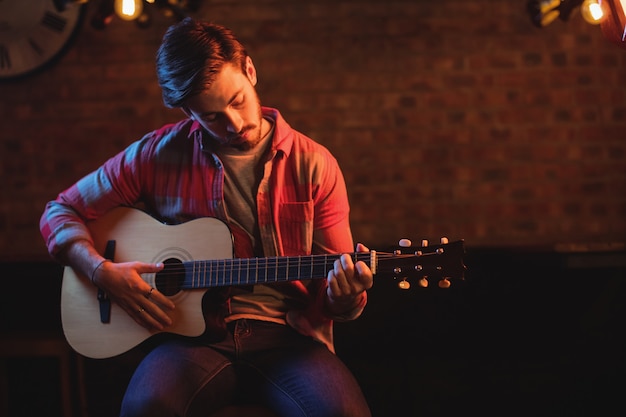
[{"x": 52, "y": 346}]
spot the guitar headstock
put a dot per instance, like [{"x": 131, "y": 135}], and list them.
[{"x": 426, "y": 264}]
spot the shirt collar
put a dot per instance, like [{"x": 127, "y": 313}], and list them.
[{"x": 282, "y": 141}]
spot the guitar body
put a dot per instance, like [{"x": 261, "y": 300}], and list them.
[{"x": 138, "y": 237}]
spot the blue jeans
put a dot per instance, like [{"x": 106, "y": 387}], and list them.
[{"x": 258, "y": 363}]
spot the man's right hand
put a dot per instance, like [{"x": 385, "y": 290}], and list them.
[{"x": 124, "y": 285}]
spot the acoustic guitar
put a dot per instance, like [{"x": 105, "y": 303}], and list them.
[{"x": 198, "y": 255}]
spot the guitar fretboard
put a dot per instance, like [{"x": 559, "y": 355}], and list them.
[{"x": 248, "y": 271}]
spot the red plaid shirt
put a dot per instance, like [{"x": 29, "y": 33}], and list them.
[{"x": 172, "y": 174}]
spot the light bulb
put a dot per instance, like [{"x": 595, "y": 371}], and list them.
[
  {"x": 128, "y": 9},
  {"x": 593, "y": 11}
]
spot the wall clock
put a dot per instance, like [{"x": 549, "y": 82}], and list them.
[{"x": 33, "y": 33}]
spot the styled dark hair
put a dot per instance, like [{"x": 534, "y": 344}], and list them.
[{"x": 191, "y": 55}]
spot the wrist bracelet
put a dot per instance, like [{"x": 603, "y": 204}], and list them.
[{"x": 93, "y": 274}]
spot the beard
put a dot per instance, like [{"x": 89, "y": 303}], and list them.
[{"x": 254, "y": 137}]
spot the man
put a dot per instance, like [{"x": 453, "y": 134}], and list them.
[{"x": 280, "y": 193}]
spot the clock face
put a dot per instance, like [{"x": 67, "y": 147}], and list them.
[{"x": 33, "y": 33}]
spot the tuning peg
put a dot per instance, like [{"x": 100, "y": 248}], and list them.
[
  {"x": 404, "y": 284},
  {"x": 444, "y": 283},
  {"x": 425, "y": 242},
  {"x": 444, "y": 240},
  {"x": 404, "y": 243},
  {"x": 423, "y": 283}
]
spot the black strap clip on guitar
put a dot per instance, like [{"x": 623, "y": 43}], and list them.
[{"x": 103, "y": 298}]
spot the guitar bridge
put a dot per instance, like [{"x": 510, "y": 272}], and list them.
[{"x": 103, "y": 298}]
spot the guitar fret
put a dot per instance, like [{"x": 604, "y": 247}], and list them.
[
  {"x": 239, "y": 270},
  {"x": 229, "y": 271},
  {"x": 210, "y": 271},
  {"x": 265, "y": 262},
  {"x": 215, "y": 270},
  {"x": 293, "y": 266},
  {"x": 271, "y": 267},
  {"x": 224, "y": 272},
  {"x": 245, "y": 264},
  {"x": 256, "y": 267},
  {"x": 300, "y": 262}
]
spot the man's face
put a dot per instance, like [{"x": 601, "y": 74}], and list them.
[{"x": 230, "y": 109}]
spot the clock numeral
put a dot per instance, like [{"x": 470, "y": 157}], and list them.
[
  {"x": 5, "y": 59},
  {"x": 54, "y": 22},
  {"x": 36, "y": 47}
]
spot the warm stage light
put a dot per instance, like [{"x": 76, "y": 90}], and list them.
[
  {"x": 594, "y": 11},
  {"x": 609, "y": 14},
  {"x": 128, "y": 9}
]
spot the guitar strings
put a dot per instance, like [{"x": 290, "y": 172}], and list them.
[
  {"x": 283, "y": 261},
  {"x": 244, "y": 271}
]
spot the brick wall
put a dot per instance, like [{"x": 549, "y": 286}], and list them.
[{"x": 452, "y": 117}]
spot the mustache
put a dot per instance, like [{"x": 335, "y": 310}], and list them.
[{"x": 242, "y": 132}]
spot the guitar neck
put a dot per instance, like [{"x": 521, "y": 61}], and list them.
[{"x": 248, "y": 271}]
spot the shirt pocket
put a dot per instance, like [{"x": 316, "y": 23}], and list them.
[{"x": 296, "y": 227}]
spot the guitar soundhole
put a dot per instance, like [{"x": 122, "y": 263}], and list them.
[{"x": 170, "y": 280}]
